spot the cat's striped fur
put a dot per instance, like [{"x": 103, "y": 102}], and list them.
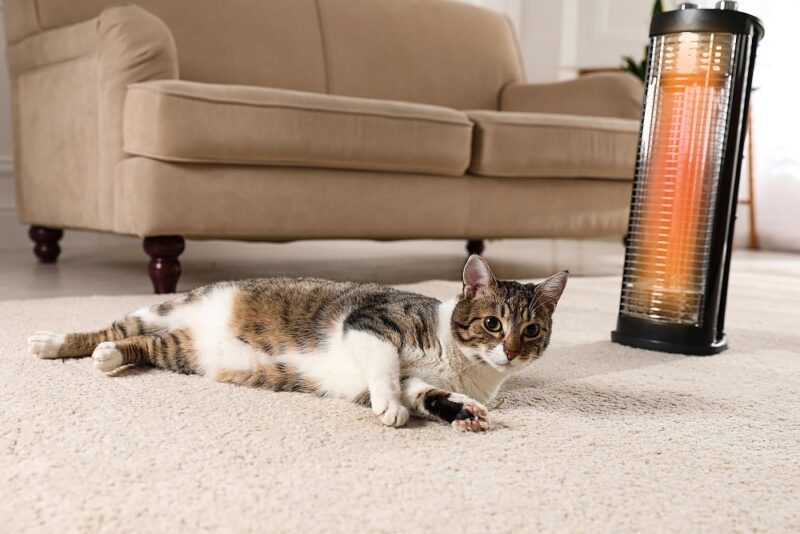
[{"x": 395, "y": 350}]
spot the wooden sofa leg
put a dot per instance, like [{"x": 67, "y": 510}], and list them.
[
  {"x": 475, "y": 246},
  {"x": 165, "y": 269},
  {"x": 46, "y": 245}
]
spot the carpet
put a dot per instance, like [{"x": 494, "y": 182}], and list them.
[{"x": 594, "y": 436}]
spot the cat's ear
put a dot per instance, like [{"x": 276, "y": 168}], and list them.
[
  {"x": 477, "y": 276},
  {"x": 551, "y": 289}
]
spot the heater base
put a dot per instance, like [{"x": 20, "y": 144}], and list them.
[{"x": 663, "y": 346}]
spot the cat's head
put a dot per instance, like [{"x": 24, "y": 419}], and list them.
[{"x": 504, "y": 324}]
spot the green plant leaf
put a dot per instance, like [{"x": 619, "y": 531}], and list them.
[
  {"x": 658, "y": 7},
  {"x": 634, "y": 67},
  {"x": 639, "y": 67}
]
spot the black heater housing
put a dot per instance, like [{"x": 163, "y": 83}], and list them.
[{"x": 683, "y": 207}]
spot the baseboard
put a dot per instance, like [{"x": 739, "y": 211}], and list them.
[
  {"x": 12, "y": 233},
  {"x": 6, "y": 166},
  {"x": 7, "y": 200}
]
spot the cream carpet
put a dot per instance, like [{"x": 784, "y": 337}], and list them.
[{"x": 594, "y": 437}]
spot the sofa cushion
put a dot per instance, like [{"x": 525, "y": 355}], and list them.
[
  {"x": 517, "y": 144},
  {"x": 281, "y": 204},
  {"x": 442, "y": 53},
  {"x": 175, "y": 120}
]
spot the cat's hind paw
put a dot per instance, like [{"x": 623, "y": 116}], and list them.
[
  {"x": 390, "y": 412},
  {"x": 106, "y": 357},
  {"x": 45, "y": 344},
  {"x": 473, "y": 416}
]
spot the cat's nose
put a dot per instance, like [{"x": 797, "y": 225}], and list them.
[{"x": 511, "y": 354}]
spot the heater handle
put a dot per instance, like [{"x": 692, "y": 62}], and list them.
[{"x": 706, "y": 20}]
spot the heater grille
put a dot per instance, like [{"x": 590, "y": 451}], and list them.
[{"x": 684, "y": 127}]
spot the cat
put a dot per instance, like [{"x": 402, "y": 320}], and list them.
[{"x": 400, "y": 352}]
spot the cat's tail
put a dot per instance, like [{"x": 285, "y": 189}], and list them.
[{"x": 277, "y": 376}]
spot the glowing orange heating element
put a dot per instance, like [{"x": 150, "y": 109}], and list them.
[{"x": 680, "y": 167}]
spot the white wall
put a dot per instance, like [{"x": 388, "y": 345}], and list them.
[
  {"x": 776, "y": 115},
  {"x": 544, "y": 28},
  {"x": 559, "y": 37}
]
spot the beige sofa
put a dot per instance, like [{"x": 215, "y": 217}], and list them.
[{"x": 296, "y": 119}]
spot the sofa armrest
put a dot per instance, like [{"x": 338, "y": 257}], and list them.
[
  {"x": 599, "y": 95},
  {"x": 133, "y": 46},
  {"x": 68, "y": 89}
]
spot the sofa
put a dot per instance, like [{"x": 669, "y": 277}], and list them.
[{"x": 280, "y": 120}]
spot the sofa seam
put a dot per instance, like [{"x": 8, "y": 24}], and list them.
[
  {"x": 324, "y": 44},
  {"x": 556, "y": 126},
  {"x": 482, "y": 173},
  {"x": 520, "y": 59},
  {"x": 38, "y": 13},
  {"x": 467, "y": 124},
  {"x": 135, "y": 152},
  {"x": 54, "y": 65},
  {"x": 26, "y": 37}
]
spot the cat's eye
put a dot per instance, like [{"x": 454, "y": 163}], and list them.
[
  {"x": 492, "y": 324},
  {"x": 532, "y": 330}
]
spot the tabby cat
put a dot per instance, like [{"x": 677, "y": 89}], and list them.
[{"x": 399, "y": 352}]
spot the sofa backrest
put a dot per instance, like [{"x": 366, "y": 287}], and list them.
[{"x": 431, "y": 51}]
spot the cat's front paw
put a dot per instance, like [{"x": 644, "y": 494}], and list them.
[
  {"x": 106, "y": 357},
  {"x": 473, "y": 416},
  {"x": 45, "y": 344},
  {"x": 391, "y": 412}
]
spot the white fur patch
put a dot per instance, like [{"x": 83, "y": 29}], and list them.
[
  {"x": 497, "y": 357},
  {"x": 445, "y": 332},
  {"x": 352, "y": 363},
  {"x": 334, "y": 370},
  {"x": 106, "y": 357},
  {"x": 380, "y": 364},
  {"x": 45, "y": 344}
]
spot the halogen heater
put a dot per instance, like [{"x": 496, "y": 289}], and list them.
[{"x": 680, "y": 231}]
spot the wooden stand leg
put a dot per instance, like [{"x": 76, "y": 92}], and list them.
[
  {"x": 475, "y": 246},
  {"x": 46, "y": 245},
  {"x": 165, "y": 269}
]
